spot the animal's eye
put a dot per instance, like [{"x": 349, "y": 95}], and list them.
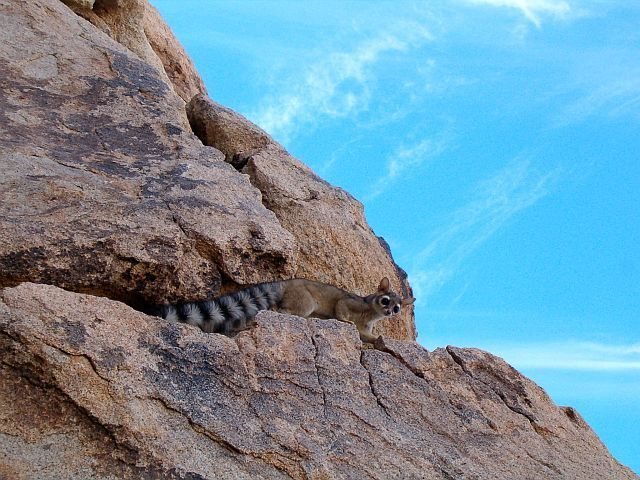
[
  {"x": 396, "y": 309},
  {"x": 384, "y": 301}
]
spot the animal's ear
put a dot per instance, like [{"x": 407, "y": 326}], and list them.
[
  {"x": 408, "y": 301},
  {"x": 384, "y": 285}
]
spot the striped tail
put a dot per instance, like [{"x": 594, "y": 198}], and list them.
[{"x": 228, "y": 314}]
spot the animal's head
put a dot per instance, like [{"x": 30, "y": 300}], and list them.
[{"x": 387, "y": 302}]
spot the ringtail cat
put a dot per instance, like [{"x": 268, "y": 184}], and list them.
[{"x": 305, "y": 298}]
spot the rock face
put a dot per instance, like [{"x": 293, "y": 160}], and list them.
[
  {"x": 336, "y": 244},
  {"x": 106, "y": 192},
  {"x": 93, "y": 389},
  {"x": 138, "y": 26},
  {"x": 104, "y": 188}
]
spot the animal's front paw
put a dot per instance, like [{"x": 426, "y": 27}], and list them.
[{"x": 368, "y": 338}]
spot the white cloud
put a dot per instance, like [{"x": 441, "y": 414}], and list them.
[
  {"x": 337, "y": 85},
  {"x": 407, "y": 158},
  {"x": 618, "y": 98},
  {"x": 497, "y": 200},
  {"x": 533, "y": 10},
  {"x": 571, "y": 355}
]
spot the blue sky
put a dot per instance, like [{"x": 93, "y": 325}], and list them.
[{"x": 494, "y": 144}]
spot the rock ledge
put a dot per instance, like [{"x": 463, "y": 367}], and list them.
[{"x": 94, "y": 389}]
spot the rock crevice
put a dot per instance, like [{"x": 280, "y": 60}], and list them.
[
  {"x": 334, "y": 243},
  {"x": 137, "y": 208},
  {"x": 105, "y": 189},
  {"x": 511, "y": 404}
]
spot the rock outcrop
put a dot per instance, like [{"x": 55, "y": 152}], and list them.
[
  {"x": 104, "y": 187},
  {"x": 93, "y": 389},
  {"x": 106, "y": 191},
  {"x": 336, "y": 244},
  {"x": 137, "y": 25}
]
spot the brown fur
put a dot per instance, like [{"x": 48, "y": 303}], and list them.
[{"x": 307, "y": 298}]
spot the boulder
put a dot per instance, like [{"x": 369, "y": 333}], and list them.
[
  {"x": 109, "y": 192},
  {"x": 138, "y": 26},
  {"x": 336, "y": 245},
  {"x": 90, "y": 388},
  {"x": 104, "y": 188},
  {"x": 177, "y": 65}
]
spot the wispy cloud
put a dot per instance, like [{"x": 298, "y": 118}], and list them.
[
  {"x": 618, "y": 98},
  {"x": 533, "y": 10},
  {"x": 337, "y": 154},
  {"x": 337, "y": 85},
  {"x": 571, "y": 355},
  {"x": 405, "y": 159},
  {"x": 495, "y": 201}
]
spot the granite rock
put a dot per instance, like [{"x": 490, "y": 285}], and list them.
[{"x": 90, "y": 388}]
